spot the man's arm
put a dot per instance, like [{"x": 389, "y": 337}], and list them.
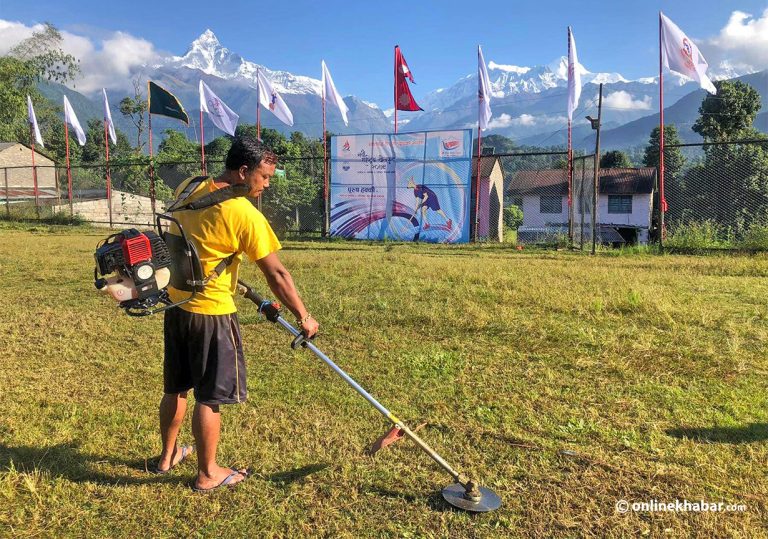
[{"x": 281, "y": 284}]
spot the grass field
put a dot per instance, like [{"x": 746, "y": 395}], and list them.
[{"x": 565, "y": 382}]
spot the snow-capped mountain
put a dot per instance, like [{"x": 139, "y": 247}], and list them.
[
  {"x": 208, "y": 55},
  {"x": 511, "y": 80},
  {"x": 528, "y": 102}
]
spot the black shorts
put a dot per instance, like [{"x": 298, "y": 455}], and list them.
[{"x": 204, "y": 352}]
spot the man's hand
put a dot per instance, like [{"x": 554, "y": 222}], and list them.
[{"x": 309, "y": 326}]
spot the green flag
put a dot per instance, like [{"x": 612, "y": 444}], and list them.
[{"x": 164, "y": 103}]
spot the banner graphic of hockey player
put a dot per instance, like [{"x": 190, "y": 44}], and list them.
[{"x": 405, "y": 187}]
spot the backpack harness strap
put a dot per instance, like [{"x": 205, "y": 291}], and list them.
[{"x": 206, "y": 201}]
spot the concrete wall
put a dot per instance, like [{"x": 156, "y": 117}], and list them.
[
  {"x": 533, "y": 218},
  {"x": 491, "y": 206},
  {"x": 126, "y": 208},
  {"x": 19, "y": 155},
  {"x": 640, "y": 216}
]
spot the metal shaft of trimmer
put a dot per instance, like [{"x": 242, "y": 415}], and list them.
[{"x": 272, "y": 314}]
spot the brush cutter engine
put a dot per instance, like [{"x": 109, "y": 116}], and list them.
[{"x": 134, "y": 268}]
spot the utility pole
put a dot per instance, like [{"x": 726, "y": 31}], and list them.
[{"x": 596, "y": 189}]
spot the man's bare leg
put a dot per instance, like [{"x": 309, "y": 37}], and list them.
[
  {"x": 206, "y": 426},
  {"x": 172, "y": 409}
]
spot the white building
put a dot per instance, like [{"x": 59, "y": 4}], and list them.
[{"x": 624, "y": 211}]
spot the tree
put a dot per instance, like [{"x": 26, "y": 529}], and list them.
[
  {"x": 43, "y": 51},
  {"x": 135, "y": 108},
  {"x": 217, "y": 149},
  {"x": 730, "y": 185},
  {"x": 673, "y": 165},
  {"x": 37, "y": 58},
  {"x": 615, "y": 159},
  {"x": 177, "y": 147},
  {"x": 729, "y": 114},
  {"x": 93, "y": 151}
]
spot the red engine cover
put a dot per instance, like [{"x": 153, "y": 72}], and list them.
[{"x": 137, "y": 249}]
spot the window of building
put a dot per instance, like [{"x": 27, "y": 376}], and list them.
[
  {"x": 619, "y": 203},
  {"x": 550, "y": 204}
]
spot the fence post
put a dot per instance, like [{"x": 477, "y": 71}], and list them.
[
  {"x": 660, "y": 170},
  {"x": 596, "y": 194},
  {"x": 69, "y": 191},
  {"x": 7, "y": 196}
]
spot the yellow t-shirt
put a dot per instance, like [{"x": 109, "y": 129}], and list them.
[{"x": 233, "y": 226}]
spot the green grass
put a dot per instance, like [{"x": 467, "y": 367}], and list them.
[{"x": 564, "y": 382}]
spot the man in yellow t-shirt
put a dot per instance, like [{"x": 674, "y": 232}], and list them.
[{"x": 203, "y": 350}]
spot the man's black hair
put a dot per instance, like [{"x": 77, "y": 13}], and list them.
[{"x": 250, "y": 152}]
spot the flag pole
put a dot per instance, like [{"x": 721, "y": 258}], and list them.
[
  {"x": 109, "y": 177},
  {"x": 203, "y": 167},
  {"x": 395, "y": 89},
  {"x": 258, "y": 106},
  {"x": 662, "y": 199},
  {"x": 34, "y": 171},
  {"x": 326, "y": 219},
  {"x": 569, "y": 155},
  {"x": 69, "y": 170},
  {"x": 151, "y": 160},
  {"x": 479, "y": 153}
]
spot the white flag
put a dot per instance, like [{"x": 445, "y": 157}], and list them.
[
  {"x": 483, "y": 91},
  {"x": 268, "y": 97},
  {"x": 330, "y": 93},
  {"x": 71, "y": 119},
  {"x": 220, "y": 114},
  {"x": 681, "y": 55},
  {"x": 108, "y": 118},
  {"x": 33, "y": 122},
  {"x": 574, "y": 76}
]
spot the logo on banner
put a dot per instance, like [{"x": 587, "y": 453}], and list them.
[
  {"x": 345, "y": 167},
  {"x": 451, "y": 147},
  {"x": 273, "y": 102},
  {"x": 687, "y": 52},
  {"x": 346, "y": 147}
]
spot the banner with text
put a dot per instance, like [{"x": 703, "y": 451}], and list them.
[{"x": 406, "y": 187}]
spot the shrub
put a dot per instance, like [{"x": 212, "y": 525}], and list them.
[
  {"x": 695, "y": 235},
  {"x": 755, "y": 237},
  {"x": 513, "y": 217}
]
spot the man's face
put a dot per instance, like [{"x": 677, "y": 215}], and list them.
[{"x": 257, "y": 178}]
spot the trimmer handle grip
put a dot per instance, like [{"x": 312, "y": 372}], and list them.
[{"x": 269, "y": 309}]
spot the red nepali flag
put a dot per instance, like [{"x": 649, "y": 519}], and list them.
[{"x": 403, "y": 98}]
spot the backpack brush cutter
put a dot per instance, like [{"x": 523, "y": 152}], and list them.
[
  {"x": 466, "y": 493},
  {"x": 135, "y": 268}
]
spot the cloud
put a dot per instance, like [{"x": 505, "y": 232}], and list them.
[
  {"x": 509, "y": 68},
  {"x": 109, "y": 62},
  {"x": 524, "y": 120},
  {"x": 624, "y": 100},
  {"x": 741, "y": 45}
]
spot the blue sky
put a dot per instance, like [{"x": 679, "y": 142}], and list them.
[{"x": 438, "y": 38}]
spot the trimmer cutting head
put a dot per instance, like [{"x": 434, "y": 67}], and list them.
[{"x": 478, "y": 500}]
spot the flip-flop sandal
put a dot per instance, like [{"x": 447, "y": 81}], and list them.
[
  {"x": 186, "y": 450},
  {"x": 227, "y": 482}
]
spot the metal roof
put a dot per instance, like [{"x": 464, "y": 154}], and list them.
[{"x": 613, "y": 181}]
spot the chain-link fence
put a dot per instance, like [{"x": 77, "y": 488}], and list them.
[
  {"x": 130, "y": 193},
  {"x": 582, "y": 201},
  {"x": 534, "y": 197},
  {"x": 717, "y": 196}
]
